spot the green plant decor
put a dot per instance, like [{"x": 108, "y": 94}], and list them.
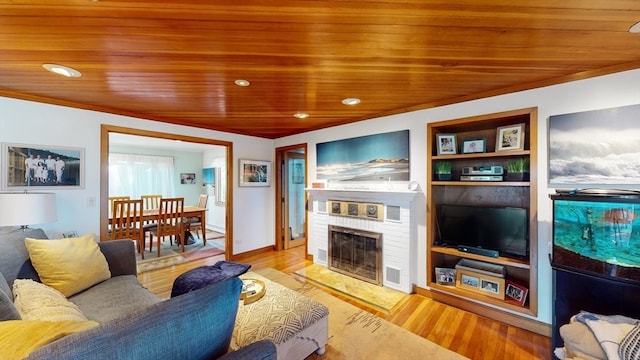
[
  {"x": 442, "y": 167},
  {"x": 520, "y": 165}
]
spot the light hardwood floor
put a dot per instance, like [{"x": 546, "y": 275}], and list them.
[{"x": 466, "y": 333}]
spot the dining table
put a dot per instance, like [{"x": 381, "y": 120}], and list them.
[{"x": 151, "y": 215}]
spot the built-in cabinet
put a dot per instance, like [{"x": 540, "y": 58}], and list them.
[{"x": 520, "y": 193}]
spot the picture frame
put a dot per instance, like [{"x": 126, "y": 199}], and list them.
[
  {"x": 255, "y": 173},
  {"x": 446, "y": 276},
  {"x": 510, "y": 138},
  {"x": 472, "y": 146},
  {"x": 29, "y": 167},
  {"x": 481, "y": 283},
  {"x": 187, "y": 178},
  {"x": 446, "y": 144},
  {"x": 70, "y": 234},
  {"x": 515, "y": 292}
]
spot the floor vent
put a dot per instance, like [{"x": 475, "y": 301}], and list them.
[{"x": 392, "y": 275}]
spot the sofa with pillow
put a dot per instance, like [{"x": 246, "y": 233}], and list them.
[{"x": 79, "y": 299}]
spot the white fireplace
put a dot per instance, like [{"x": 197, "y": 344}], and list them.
[{"x": 394, "y": 221}]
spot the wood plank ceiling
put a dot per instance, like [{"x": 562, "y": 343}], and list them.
[{"x": 176, "y": 61}]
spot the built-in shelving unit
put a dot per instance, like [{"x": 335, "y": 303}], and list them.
[{"x": 489, "y": 193}]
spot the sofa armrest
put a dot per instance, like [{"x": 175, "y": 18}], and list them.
[
  {"x": 121, "y": 256},
  {"x": 197, "y": 325},
  {"x": 259, "y": 350}
]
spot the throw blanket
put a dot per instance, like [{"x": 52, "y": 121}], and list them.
[
  {"x": 610, "y": 331},
  {"x": 206, "y": 275}
]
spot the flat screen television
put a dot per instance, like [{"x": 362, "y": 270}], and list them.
[{"x": 502, "y": 229}]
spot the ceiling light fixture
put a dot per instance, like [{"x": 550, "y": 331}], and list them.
[
  {"x": 62, "y": 70},
  {"x": 635, "y": 28},
  {"x": 351, "y": 101},
  {"x": 242, "y": 82},
  {"x": 301, "y": 115}
]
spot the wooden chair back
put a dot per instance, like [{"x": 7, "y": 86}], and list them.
[
  {"x": 170, "y": 219},
  {"x": 151, "y": 201},
  {"x": 202, "y": 200},
  {"x": 113, "y": 199},
  {"x": 126, "y": 222}
]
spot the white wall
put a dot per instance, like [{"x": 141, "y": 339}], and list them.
[
  {"x": 597, "y": 93},
  {"x": 253, "y": 226},
  {"x": 34, "y": 123}
]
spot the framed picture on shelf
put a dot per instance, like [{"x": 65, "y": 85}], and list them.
[
  {"x": 474, "y": 146},
  {"x": 516, "y": 292},
  {"x": 255, "y": 173},
  {"x": 446, "y": 144},
  {"x": 510, "y": 138},
  {"x": 446, "y": 276}
]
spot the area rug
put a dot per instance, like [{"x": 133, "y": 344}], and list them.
[
  {"x": 377, "y": 296},
  {"x": 172, "y": 254},
  {"x": 356, "y": 334}
]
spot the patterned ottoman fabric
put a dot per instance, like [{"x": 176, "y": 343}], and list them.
[{"x": 279, "y": 316}]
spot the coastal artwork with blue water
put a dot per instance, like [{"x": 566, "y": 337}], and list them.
[{"x": 604, "y": 236}]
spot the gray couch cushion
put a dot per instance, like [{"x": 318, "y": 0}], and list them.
[
  {"x": 7, "y": 310},
  {"x": 196, "y": 325},
  {"x": 113, "y": 298},
  {"x": 13, "y": 254}
]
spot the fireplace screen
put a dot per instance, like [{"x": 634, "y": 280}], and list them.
[{"x": 355, "y": 253}]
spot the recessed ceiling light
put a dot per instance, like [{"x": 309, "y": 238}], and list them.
[
  {"x": 62, "y": 70},
  {"x": 242, "y": 82},
  {"x": 635, "y": 28},
  {"x": 351, "y": 101},
  {"x": 301, "y": 115}
]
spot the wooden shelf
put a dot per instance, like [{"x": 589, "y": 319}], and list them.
[
  {"x": 521, "y": 194},
  {"x": 523, "y": 264}
]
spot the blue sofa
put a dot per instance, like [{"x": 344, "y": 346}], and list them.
[{"x": 134, "y": 323}]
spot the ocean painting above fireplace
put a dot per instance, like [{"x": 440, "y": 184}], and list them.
[{"x": 379, "y": 157}]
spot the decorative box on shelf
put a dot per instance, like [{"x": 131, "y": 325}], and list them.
[{"x": 480, "y": 277}]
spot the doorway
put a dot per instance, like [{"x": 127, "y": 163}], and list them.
[
  {"x": 225, "y": 162},
  {"x": 291, "y": 208}
]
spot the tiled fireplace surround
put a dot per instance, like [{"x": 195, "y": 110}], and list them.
[{"x": 397, "y": 229}]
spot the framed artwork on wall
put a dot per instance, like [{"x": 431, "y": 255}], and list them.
[
  {"x": 255, "y": 173},
  {"x": 187, "y": 178},
  {"x": 42, "y": 166}
]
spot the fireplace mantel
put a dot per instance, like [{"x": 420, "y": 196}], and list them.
[{"x": 364, "y": 193}]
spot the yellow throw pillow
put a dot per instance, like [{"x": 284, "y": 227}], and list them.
[
  {"x": 18, "y": 338},
  {"x": 68, "y": 265},
  {"x": 36, "y": 301}
]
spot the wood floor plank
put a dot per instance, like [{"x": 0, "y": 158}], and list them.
[{"x": 468, "y": 334}]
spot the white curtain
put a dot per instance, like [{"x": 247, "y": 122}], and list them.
[{"x": 135, "y": 175}]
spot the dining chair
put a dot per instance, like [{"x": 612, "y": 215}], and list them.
[
  {"x": 170, "y": 221},
  {"x": 126, "y": 222},
  {"x": 194, "y": 223},
  {"x": 149, "y": 202},
  {"x": 112, "y": 199}
]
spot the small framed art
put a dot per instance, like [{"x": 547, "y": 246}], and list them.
[
  {"x": 446, "y": 144},
  {"x": 474, "y": 146},
  {"x": 510, "y": 138},
  {"x": 516, "y": 292},
  {"x": 255, "y": 173},
  {"x": 446, "y": 276}
]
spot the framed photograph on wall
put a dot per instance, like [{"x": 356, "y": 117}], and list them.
[
  {"x": 187, "y": 178},
  {"x": 510, "y": 138},
  {"x": 446, "y": 144},
  {"x": 474, "y": 146},
  {"x": 255, "y": 173},
  {"x": 42, "y": 166}
]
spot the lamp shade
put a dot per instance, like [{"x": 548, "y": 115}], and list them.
[{"x": 27, "y": 208}]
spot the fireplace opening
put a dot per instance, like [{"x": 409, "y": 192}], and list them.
[{"x": 356, "y": 253}]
